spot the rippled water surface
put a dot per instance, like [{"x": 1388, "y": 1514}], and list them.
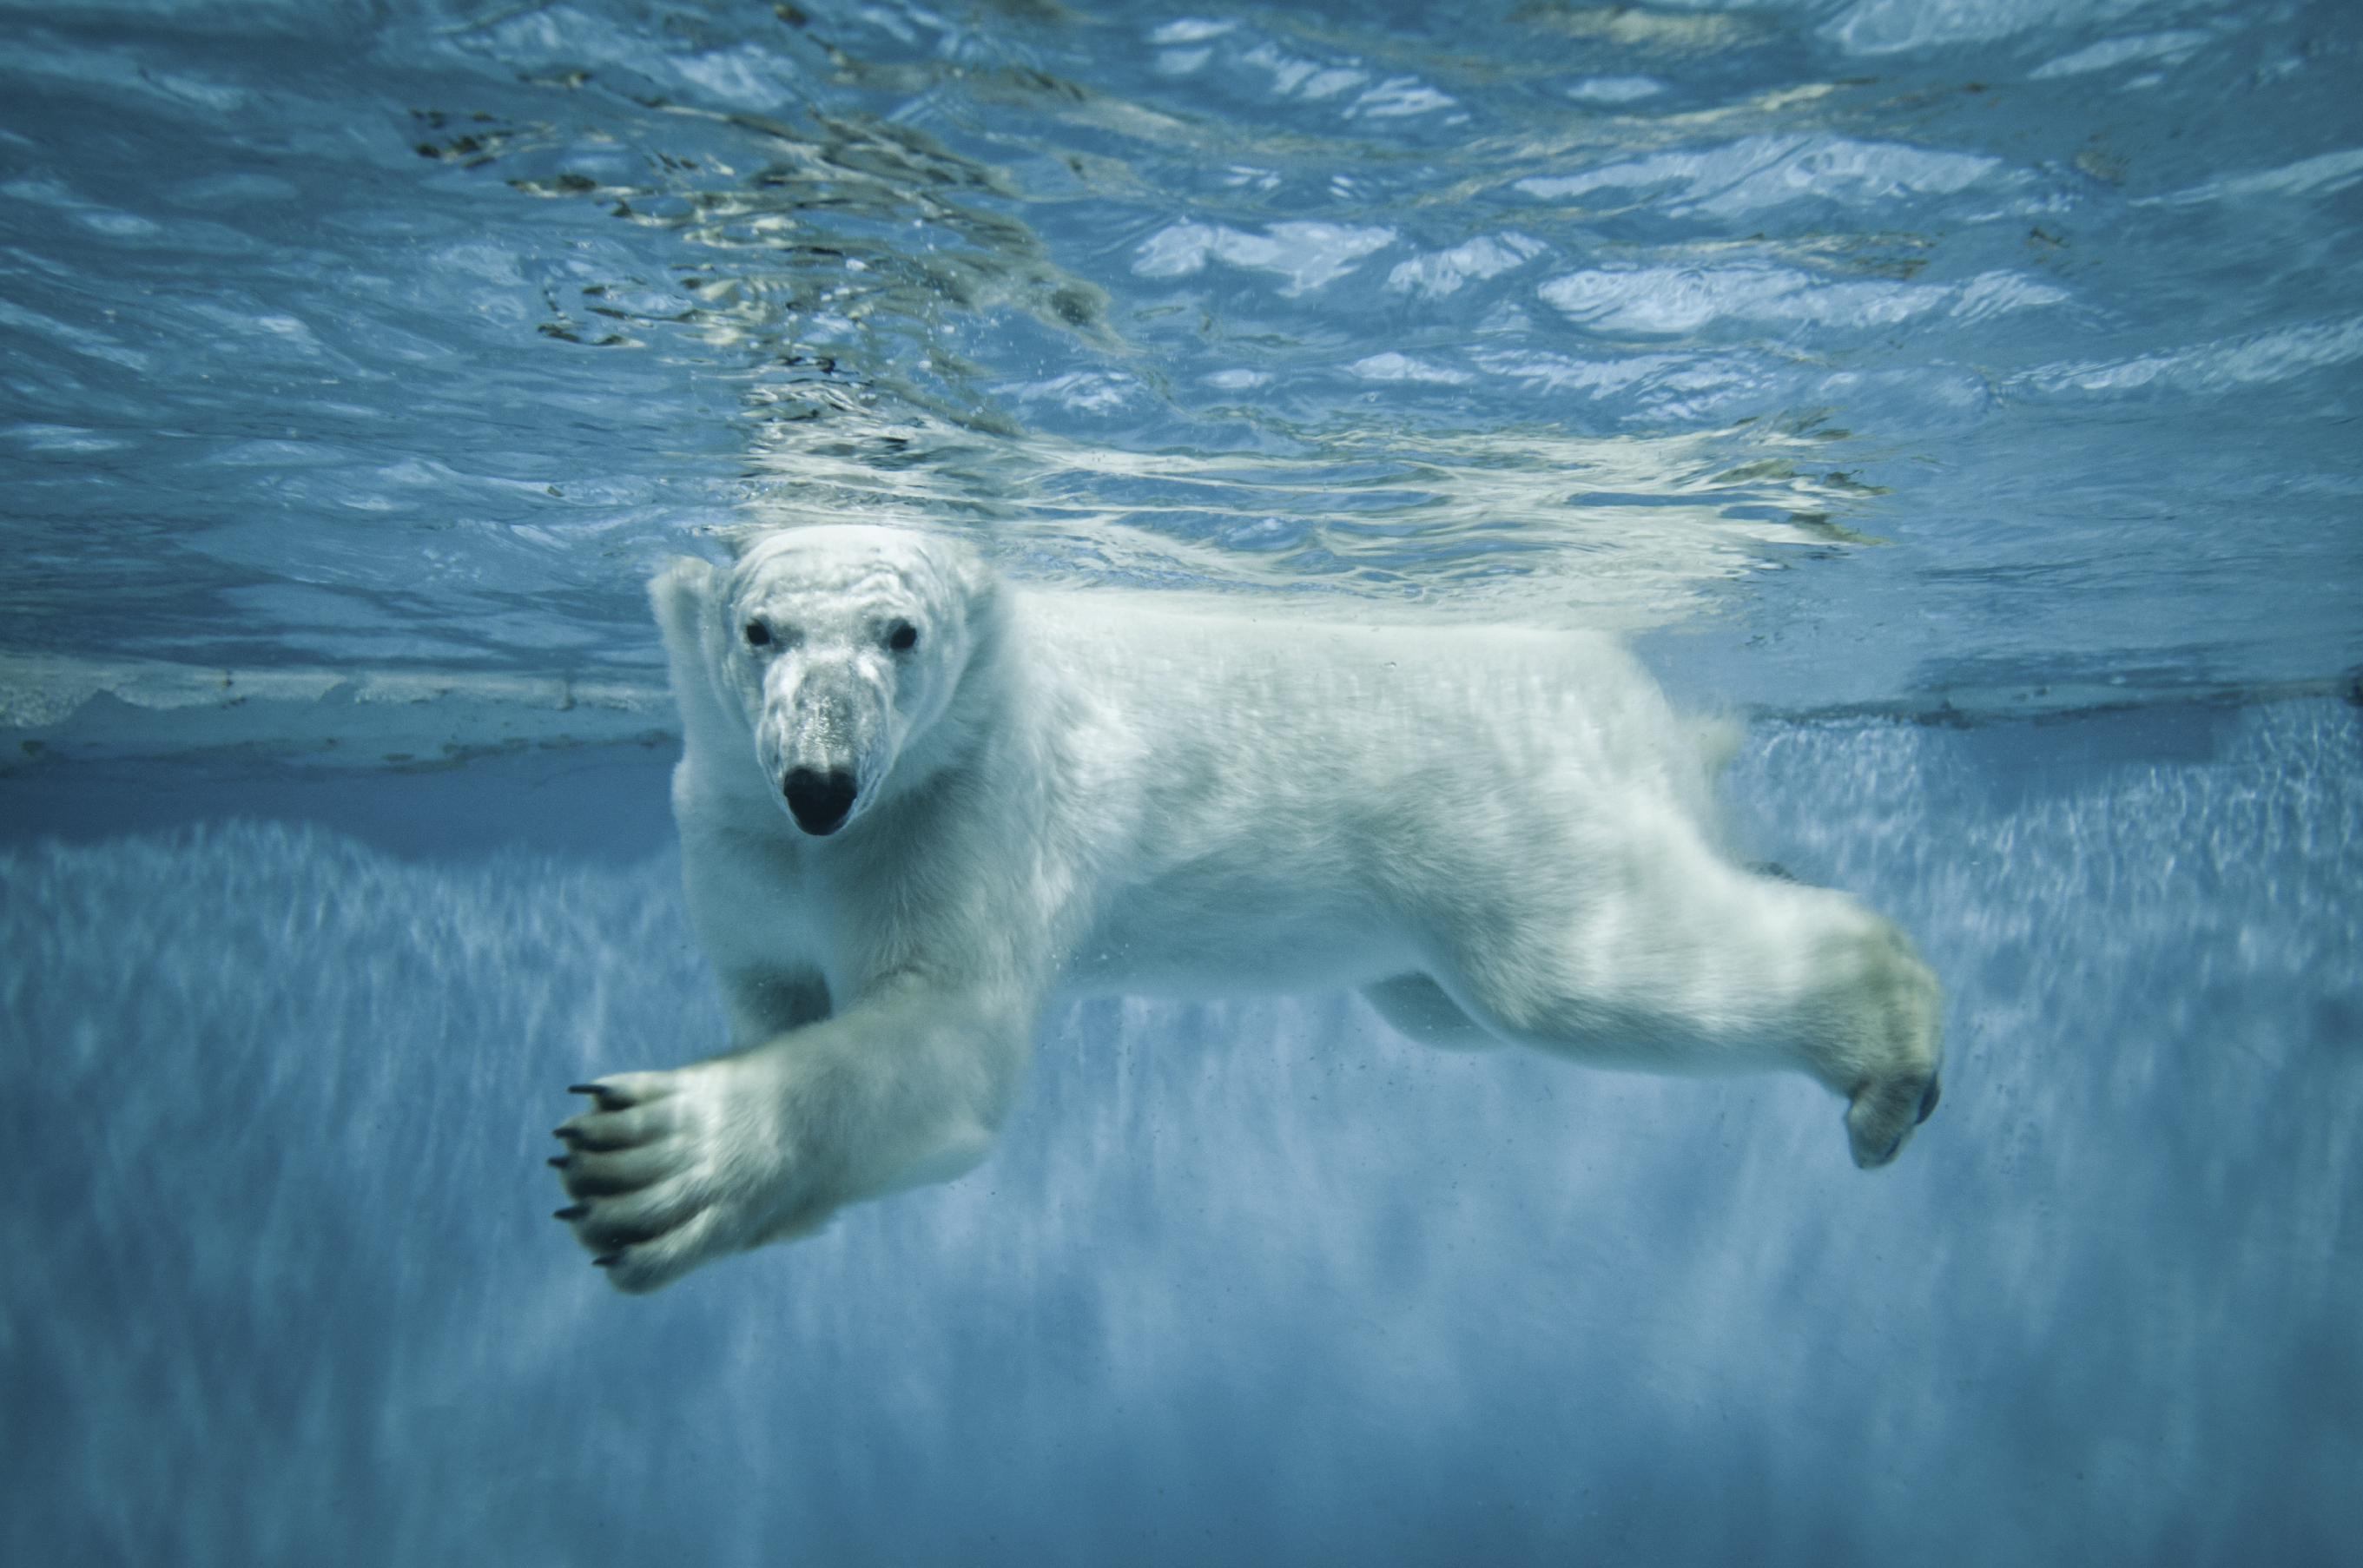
[
  {"x": 1978, "y": 361},
  {"x": 1927, "y": 343}
]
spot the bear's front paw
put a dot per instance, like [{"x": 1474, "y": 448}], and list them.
[{"x": 671, "y": 1170}]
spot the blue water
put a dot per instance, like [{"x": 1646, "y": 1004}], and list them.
[{"x": 1964, "y": 389}]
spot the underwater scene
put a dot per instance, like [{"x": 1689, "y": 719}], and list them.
[{"x": 1961, "y": 393}]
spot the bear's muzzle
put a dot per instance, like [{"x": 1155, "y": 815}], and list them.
[{"x": 818, "y": 800}]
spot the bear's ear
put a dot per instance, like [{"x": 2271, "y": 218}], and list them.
[
  {"x": 679, "y": 594},
  {"x": 979, "y": 582}
]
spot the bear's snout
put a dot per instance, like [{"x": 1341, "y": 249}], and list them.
[{"x": 819, "y": 801}]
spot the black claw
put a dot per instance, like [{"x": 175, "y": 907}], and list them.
[
  {"x": 610, "y": 1261},
  {"x": 585, "y": 1089},
  {"x": 1928, "y": 1102},
  {"x": 572, "y": 1212},
  {"x": 558, "y": 1162}
]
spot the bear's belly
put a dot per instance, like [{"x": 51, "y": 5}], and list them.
[{"x": 1190, "y": 951}]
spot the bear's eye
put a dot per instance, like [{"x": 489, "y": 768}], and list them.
[
  {"x": 757, "y": 634},
  {"x": 901, "y": 636}
]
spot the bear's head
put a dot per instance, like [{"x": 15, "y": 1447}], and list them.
[{"x": 842, "y": 646}]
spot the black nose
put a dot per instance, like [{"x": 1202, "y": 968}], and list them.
[{"x": 819, "y": 801}]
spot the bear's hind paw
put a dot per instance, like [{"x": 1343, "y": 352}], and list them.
[{"x": 1882, "y": 1115}]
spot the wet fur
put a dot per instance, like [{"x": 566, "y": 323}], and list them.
[{"x": 1503, "y": 837}]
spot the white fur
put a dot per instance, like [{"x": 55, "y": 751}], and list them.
[{"x": 1502, "y": 836}]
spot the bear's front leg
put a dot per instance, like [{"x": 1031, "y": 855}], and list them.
[{"x": 669, "y": 1170}]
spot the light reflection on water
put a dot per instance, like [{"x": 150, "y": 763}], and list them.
[
  {"x": 1520, "y": 523},
  {"x": 2057, "y": 307}
]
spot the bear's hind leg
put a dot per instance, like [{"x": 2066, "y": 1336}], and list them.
[
  {"x": 1696, "y": 966},
  {"x": 1891, "y": 1015}
]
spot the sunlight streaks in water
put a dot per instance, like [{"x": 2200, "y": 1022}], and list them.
[{"x": 1264, "y": 1275}]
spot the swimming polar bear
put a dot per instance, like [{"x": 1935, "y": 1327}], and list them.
[{"x": 917, "y": 804}]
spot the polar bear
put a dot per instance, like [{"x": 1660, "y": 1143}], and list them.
[{"x": 917, "y": 804}]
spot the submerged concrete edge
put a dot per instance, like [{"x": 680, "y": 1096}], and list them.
[{"x": 55, "y": 709}]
